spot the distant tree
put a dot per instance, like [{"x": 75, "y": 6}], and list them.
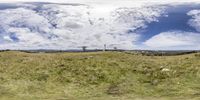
[
  {"x": 84, "y": 48},
  {"x": 115, "y": 48},
  {"x": 7, "y": 50}
]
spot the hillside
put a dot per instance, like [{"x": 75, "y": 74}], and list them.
[{"x": 98, "y": 76}]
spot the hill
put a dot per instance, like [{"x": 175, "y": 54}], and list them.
[{"x": 98, "y": 76}]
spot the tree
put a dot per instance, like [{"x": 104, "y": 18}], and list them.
[{"x": 84, "y": 48}]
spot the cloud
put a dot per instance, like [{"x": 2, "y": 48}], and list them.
[
  {"x": 175, "y": 40},
  {"x": 104, "y": 1},
  {"x": 54, "y": 26},
  {"x": 195, "y": 20},
  {"x": 178, "y": 39}
]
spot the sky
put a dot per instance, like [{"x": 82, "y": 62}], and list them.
[{"x": 127, "y": 24}]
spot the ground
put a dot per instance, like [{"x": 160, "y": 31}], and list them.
[{"x": 98, "y": 76}]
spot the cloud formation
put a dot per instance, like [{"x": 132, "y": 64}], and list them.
[
  {"x": 195, "y": 20},
  {"x": 177, "y": 39},
  {"x": 171, "y": 39},
  {"x": 56, "y": 26}
]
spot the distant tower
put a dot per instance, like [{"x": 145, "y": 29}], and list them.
[
  {"x": 104, "y": 49},
  {"x": 84, "y": 48}
]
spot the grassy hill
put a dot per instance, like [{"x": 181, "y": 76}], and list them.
[{"x": 98, "y": 76}]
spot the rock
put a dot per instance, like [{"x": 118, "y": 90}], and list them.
[{"x": 165, "y": 70}]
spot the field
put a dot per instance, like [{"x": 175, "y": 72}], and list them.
[{"x": 98, "y": 76}]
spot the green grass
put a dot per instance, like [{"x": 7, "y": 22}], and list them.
[{"x": 98, "y": 76}]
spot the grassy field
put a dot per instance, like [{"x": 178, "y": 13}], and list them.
[{"x": 98, "y": 76}]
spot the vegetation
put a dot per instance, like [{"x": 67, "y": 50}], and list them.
[{"x": 98, "y": 76}]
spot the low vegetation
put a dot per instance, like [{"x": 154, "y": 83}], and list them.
[{"x": 98, "y": 76}]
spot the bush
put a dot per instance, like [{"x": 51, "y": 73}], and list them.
[{"x": 197, "y": 55}]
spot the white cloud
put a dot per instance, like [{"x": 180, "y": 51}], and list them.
[
  {"x": 174, "y": 39},
  {"x": 195, "y": 21},
  {"x": 178, "y": 39},
  {"x": 68, "y": 26},
  {"x": 102, "y": 1}
]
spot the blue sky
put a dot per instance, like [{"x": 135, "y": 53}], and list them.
[
  {"x": 176, "y": 19},
  {"x": 165, "y": 26}
]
